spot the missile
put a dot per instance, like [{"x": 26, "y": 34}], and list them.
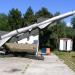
[{"x": 39, "y": 25}]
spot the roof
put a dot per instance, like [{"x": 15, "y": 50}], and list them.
[
  {"x": 22, "y": 35},
  {"x": 65, "y": 39},
  {"x": 27, "y": 34},
  {"x": 3, "y": 32}
]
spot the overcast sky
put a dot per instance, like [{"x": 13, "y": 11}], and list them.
[{"x": 52, "y": 5}]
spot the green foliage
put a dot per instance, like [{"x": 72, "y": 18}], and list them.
[
  {"x": 29, "y": 17},
  {"x": 14, "y": 19},
  {"x": 57, "y": 32},
  {"x": 43, "y": 13},
  {"x": 73, "y": 22},
  {"x": 70, "y": 32},
  {"x": 57, "y": 13},
  {"x": 4, "y": 22}
]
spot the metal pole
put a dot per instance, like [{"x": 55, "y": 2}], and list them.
[{"x": 37, "y": 48}]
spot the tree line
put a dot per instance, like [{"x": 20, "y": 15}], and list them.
[{"x": 49, "y": 36}]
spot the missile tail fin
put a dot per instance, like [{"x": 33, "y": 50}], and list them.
[{"x": 44, "y": 25}]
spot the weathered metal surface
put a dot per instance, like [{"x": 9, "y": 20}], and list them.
[{"x": 14, "y": 47}]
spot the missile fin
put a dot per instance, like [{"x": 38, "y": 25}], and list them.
[{"x": 44, "y": 25}]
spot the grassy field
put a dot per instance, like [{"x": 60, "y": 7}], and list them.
[{"x": 68, "y": 57}]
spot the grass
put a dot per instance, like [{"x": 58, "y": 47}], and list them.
[{"x": 68, "y": 57}]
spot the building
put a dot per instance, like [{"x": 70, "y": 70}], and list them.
[
  {"x": 29, "y": 37},
  {"x": 65, "y": 44}
]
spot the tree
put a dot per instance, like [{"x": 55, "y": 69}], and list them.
[
  {"x": 14, "y": 19},
  {"x": 4, "y": 22},
  {"x": 29, "y": 17},
  {"x": 70, "y": 32},
  {"x": 57, "y": 13},
  {"x": 73, "y": 32},
  {"x": 44, "y": 33},
  {"x": 43, "y": 13},
  {"x": 58, "y": 31},
  {"x": 73, "y": 22}
]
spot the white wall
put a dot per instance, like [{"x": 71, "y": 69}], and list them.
[
  {"x": 30, "y": 41},
  {"x": 69, "y": 45},
  {"x": 61, "y": 45},
  {"x": 65, "y": 44}
]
